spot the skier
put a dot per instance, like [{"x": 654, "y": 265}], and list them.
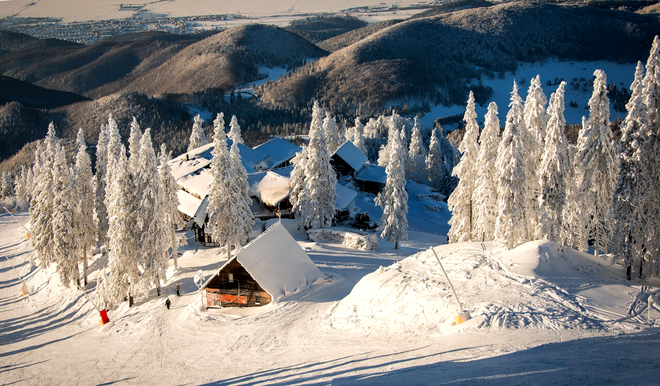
[
  {"x": 167, "y": 303},
  {"x": 177, "y": 288}
]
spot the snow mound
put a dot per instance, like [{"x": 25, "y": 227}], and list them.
[
  {"x": 413, "y": 296},
  {"x": 547, "y": 259}
]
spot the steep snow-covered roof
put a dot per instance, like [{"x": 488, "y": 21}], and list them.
[
  {"x": 188, "y": 204},
  {"x": 373, "y": 173},
  {"x": 273, "y": 188},
  {"x": 200, "y": 158},
  {"x": 353, "y": 156},
  {"x": 276, "y": 262},
  {"x": 279, "y": 150},
  {"x": 344, "y": 196},
  {"x": 197, "y": 183},
  {"x": 252, "y": 158}
]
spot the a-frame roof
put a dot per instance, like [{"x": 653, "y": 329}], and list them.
[
  {"x": 277, "y": 262},
  {"x": 353, "y": 156}
]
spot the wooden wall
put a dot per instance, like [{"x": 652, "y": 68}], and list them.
[{"x": 244, "y": 291}]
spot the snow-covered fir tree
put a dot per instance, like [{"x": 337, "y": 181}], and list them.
[
  {"x": 555, "y": 169},
  {"x": 134, "y": 145},
  {"x": 220, "y": 202},
  {"x": 373, "y": 137},
  {"x": 628, "y": 243},
  {"x": 297, "y": 184},
  {"x": 535, "y": 115},
  {"x": 173, "y": 220},
  {"x": 394, "y": 197},
  {"x": 331, "y": 133},
  {"x": 122, "y": 275},
  {"x": 64, "y": 206},
  {"x": 154, "y": 238},
  {"x": 597, "y": 166},
  {"x": 461, "y": 202},
  {"x": 101, "y": 213},
  {"x": 572, "y": 220},
  {"x": 84, "y": 226},
  {"x": 235, "y": 130},
  {"x": 241, "y": 217},
  {"x": 435, "y": 161},
  {"x": 514, "y": 188},
  {"x": 197, "y": 136},
  {"x": 358, "y": 136},
  {"x": 6, "y": 185},
  {"x": 316, "y": 202},
  {"x": 416, "y": 160},
  {"x": 43, "y": 197},
  {"x": 22, "y": 186},
  {"x": 485, "y": 189}
]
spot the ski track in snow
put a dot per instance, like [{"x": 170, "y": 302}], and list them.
[{"x": 373, "y": 325}]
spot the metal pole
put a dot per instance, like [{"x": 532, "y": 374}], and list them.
[
  {"x": 20, "y": 223},
  {"x": 25, "y": 287},
  {"x": 460, "y": 306}
]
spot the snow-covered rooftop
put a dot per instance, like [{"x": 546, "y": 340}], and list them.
[
  {"x": 372, "y": 173},
  {"x": 197, "y": 183},
  {"x": 353, "y": 156},
  {"x": 273, "y": 188},
  {"x": 188, "y": 204},
  {"x": 277, "y": 262},
  {"x": 191, "y": 161},
  {"x": 344, "y": 196},
  {"x": 279, "y": 150}
]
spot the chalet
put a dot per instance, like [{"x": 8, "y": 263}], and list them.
[
  {"x": 371, "y": 178},
  {"x": 347, "y": 160},
  {"x": 265, "y": 271},
  {"x": 271, "y": 190},
  {"x": 344, "y": 202},
  {"x": 279, "y": 151}
]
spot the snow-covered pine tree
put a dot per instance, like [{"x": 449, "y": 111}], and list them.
[
  {"x": 101, "y": 213},
  {"x": 6, "y": 185},
  {"x": 394, "y": 197},
  {"x": 434, "y": 161},
  {"x": 235, "y": 130},
  {"x": 64, "y": 243},
  {"x": 22, "y": 187},
  {"x": 461, "y": 202},
  {"x": 317, "y": 200},
  {"x": 373, "y": 138},
  {"x": 572, "y": 220},
  {"x": 554, "y": 172},
  {"x": 513, "y": 180},
  {"x": 123, "y": 274},
  {"x": 134, "y": 145},
  {"x": 298, "y": 176},
  {"x": 43, "y": 197},
  {"x": 416, "y": 165},
  {"x": 114, "y": 148},
  {"x": 220, "y": 202},
  {"x": 331, "y": 133},
  {"x": 343, "y": 133},
  {"x": 197, "y": 136},
  {"x": 485, "y": 189},
  {"x": 173, "y": 219},
  {"x": 629, "y": 218},
  {"x": 358, "y": 136},
  {"x": 241, "y": 217},
  {"x": 536, "y": 121},
  {"x": 153, "y": 234},
  {"x": 598, "y": 166},
  {"x": 84, "y": 226}
]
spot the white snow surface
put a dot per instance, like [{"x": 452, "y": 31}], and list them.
[{"x": 539, "y": 315}]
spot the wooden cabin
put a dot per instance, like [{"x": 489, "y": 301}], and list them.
[{"x": 267, "y": 269}]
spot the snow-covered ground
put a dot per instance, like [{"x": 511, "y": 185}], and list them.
[
  {"x": 541, "y": 314},
  {"x": 621, "y": 74}
]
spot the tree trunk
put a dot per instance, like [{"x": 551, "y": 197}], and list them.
[
  {"x": 228, "y": 251},
  {"x": 158, "y": 285},
  {"x": 85, "y": 266},
  {"x": 396, "y": 244},
  {"x": 174, "y": 253}
]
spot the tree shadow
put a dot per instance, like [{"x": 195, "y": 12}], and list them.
[
  {"x": 627, "y": 358},
  {"x": 18, "y": 366},
  {"x": 36, "y": 346}
]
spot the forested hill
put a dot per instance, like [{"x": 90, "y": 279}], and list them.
[{"x": 432, "y": 58}]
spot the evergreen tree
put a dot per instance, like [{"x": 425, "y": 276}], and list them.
[
  {"x": 241, "y": 217},
  {"x": 123, "y": 235},
  {"x": 416, "y": 166},
  {"x": 173, "y": 219},
  {"x": 42, "y": 203},
  {"x": 64, "y": 243},
  {"x": 629, "y": 217},
  {"x": 100, "y": 185},
  {"x": 317, "y": 200},
  {"x": 461, "y": 202},
  {"x": 394, "y": 197},
  {"x": 22, "y": 186},
  {"x": 197, "y": 137},
  {"x": 235, "y": 130},
  {"x": 554, "y": 170},
  {"x": 331, "y": 133},
  {"x": 298, "y": 177},
  {"x": 598, "y": 166},
  {"x": 6, "y": 185},
  {"x": 220, "y": 202},
  {"x": 572, "y": 220},
  {"x": 134, "y": 146},
  {"x": 485, "y": 190},
  {"x": 84, "y": 226},
  {"x": 435, "y": 161},
  {"x": 358, "y": 136},
  {"x": 513, "y": 179},
  {"x": 153, "y": 234}
]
